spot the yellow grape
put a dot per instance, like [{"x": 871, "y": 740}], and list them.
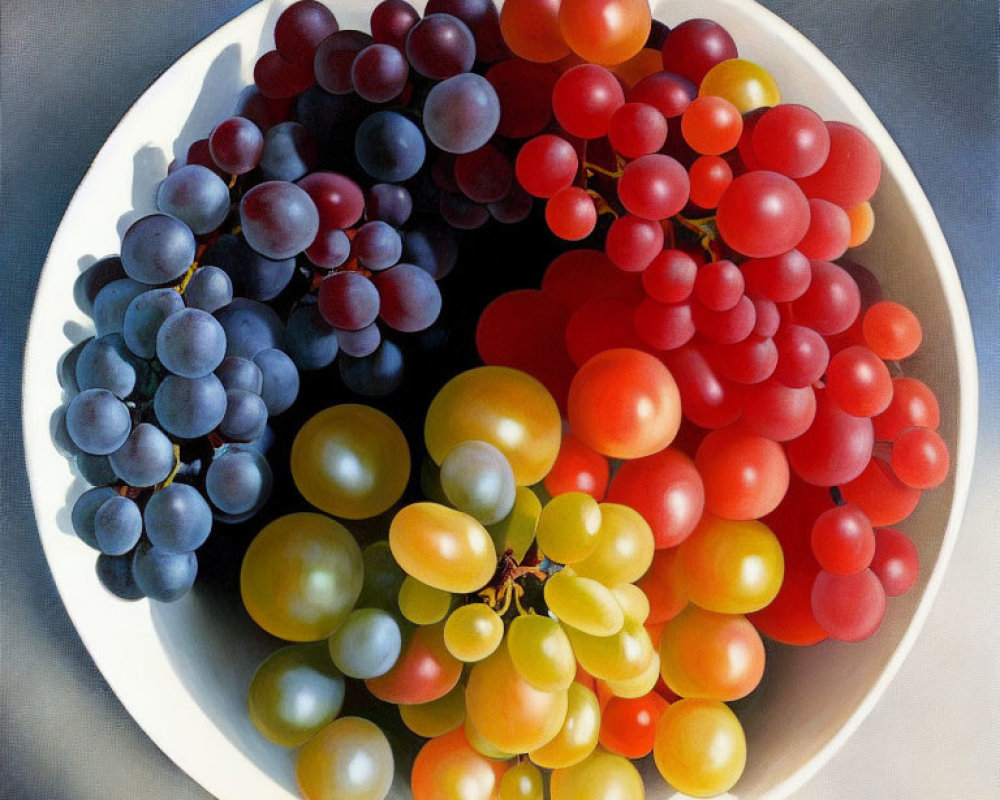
[
  {"x": 442, "y": 547},
  {"x": 700, "y": 748},
  {"x": 295, "y": 692},
  {"x": 350, "y": 759},
  {"x": 437, "y": 717},
  {"x": 422, "y": 604},
  {"x": 506, "y": 710},
  {"x": 541, "y": 652},
  {"x": 743, "y": 83},
  {"x": 583, "y": 603},
  {"x": 624, "y": 548},
  {"x": 301, "y": 576},
  {"x": 351, "y": 461},
  {"x": 502, "y": 406},
  {"x": 641, "y": 685},
  {"x": 633, "y": 600},
  {"x": 568, "y": 527},
  {"x": 481, "y": 745},
  {"x": 732, "y": 567},
  {"x": 578, "y": 736},
  {"x": 619, "y": 657},
  {"x": 472, "y": 632},
  {"x": 516, "y": 531},
  {"x": 522, "y": 782},
  {"x": 600, "y": 776}
]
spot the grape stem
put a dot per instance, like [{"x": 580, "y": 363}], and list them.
[
  {"x": 173, "y": 473},
  {"x": 505, "y": 587},
  {"x": 706, "y": 232}
]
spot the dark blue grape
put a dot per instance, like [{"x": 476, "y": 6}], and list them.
[
  {"x": 376, "y": 375},
  {"x": 146, "y": 458},
  {"x": 191, "y": 343},
  {"x": 440, "y": 46},
  {"x": 514, "y": 207},
  {"x": 348, "y": 300},
  {"x": 360, "y": 343},
  {"x": 253, "y": 276},
  {"x": 111, "y": 303},
  {"x": 239, "y": 480},
  {"x": 84, "y": 510},
  {"x": 279, "y": 219},
  {"x": 250, "y": 327},
  {"x": 411, "y": 300},
  {"x": 281, "y": 380},
  {"x": 332, "y": 118},
  {"x": 246, "y": 415},
  {"x": 67, "y": 367},
  {"x": 98, "y": 422},
  {"x": 196, "y": 196},
  {"x": 95, "y": 278},
  {"x": 115, "y": 575},
  {"x": 240, "y": 373},
  {"x": 209, "y": 289},
  {"x": 107, "y": 363},
  {"x": 144, "y": 316},
  {"x": 377, "y": 245},
  {"x": 433, "y": 248},
  {"x": 162, "y": 576},
  {"x": 190, "y": 407},
  {"x": 118, "y": 525},
  {"x": 289, "y": 152},
  {"x": 95, "y": 470},
  {"x": 390, "y": 203},
  {"x": 389, "y": 147},
  {"x": 178, "y": 519},
  {"x": 462, "y": 213},
  {"x": 379, "y": 73},
  {"x": 310, "y": 341},
  {"x": 461, "y": 113},
  {"x": 157, "y": 249},
  {"x": 265, "y": 441}
]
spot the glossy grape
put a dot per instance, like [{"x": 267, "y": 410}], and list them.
[{"x": 350, "y": 759}]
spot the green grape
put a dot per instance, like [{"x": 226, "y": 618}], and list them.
[
  {"x": 367, "y": 644},
  {"x": 350, "y": 759},
  {"x": 568, "y": 527},
  {"x": 633, "y": 600},
  {"x": 295, "y": 692},
  {"x": 437, "y": 717},
  {"x": 522, "y": 782},
  {"x": 624, "y": 548},
  {"x": 477, "y": 479},
  {"x": 472, "y": 632},
  {"x": 301, "y": 576},
  {"x": 422, "y": 604},
  {"x": 583, "y": 603},
  {"x": 621, "y": 656},
  {"x": 641, "y": 685},
  {"x": 600, "y": 776},
  {"x": 516, "y": 531},
  {"x": 383, "y": 577},
  {"x": 541, "y": 652},
  {"x": 578, "y": 736}
]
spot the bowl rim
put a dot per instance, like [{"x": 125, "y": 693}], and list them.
[{"x": 203, "y": 767}]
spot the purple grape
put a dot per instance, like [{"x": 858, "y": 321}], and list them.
[
  {"x": 250, "y": 327},
  {"x": 379, "y": 73},
  {"x": 196, "y": 196},
  {"x": 236, "y": 145},
  {"x": 389, "y": 203},
  {"x": 98, "y": 422},
  {"x": 253, "y": 276},
  {"x": 377, "y": 245},
  {"x": 239, "y": 480},
  {"x": 300, "y": 28},
  {"x": 95, "y": 278},
  {"x": 115, "y": 575},
  {"x": 189, "y": 408},
  {"x": 281, "y": 380},
  {"x": 310, "y": 340},
  {"x": 111, "y": 303},
  {"x": 144, "y": 316},
  {"x": 178, "y": 519},
  {"x": 246, "y": 416},
  {"x": 240, "y": 373},
  {"x": 107, "y": 363},
  {"x": 279, "y": 219},
  {"x": 330, "y": 250},
  {"x": 84, "y": 510},
  {"x": 433, "y": 248},
  {"x": 191, "y": 343},
  {"x": 334, "y": 58},
  {"x": 411, "y": 299},
  {"x": 440, "y": 46},
  {"x": 391, "y": 21},
  {"x": 348, "y": 300},
  {"x": 461, "y": 113},
  {"x": 483, "y": 20},
  {"x": 209, "y": 289},
  {"x": 513, "y": 208},
  {"x": 157, "y": 249},
  {"x": 462, "y": 213},
  {"x": 360, "y": 343},
  {"x": 163, "y": 576},
  {"x": 390, "y": 147},
  {"x": 118, "y": 525}
]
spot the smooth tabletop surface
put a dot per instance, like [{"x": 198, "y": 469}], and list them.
[{"x": 68, "y": 71}]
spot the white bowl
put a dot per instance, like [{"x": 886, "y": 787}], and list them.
[{"x": 182, "y": 669}]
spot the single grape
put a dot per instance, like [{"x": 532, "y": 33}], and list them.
[
  {"x": 112, "y": 302},
  {"x": 391, "y": 21},
  {"x": 95, "y": 470},
  {"x": 478, "y": 480},
  {"x": 107, "y": 363},
  {"x": 409, "y": 298},
  {"x": 311, "y": 342},
  {"x": 367, "y": 644},
  {"x": 440, "y": 46},
  {"x": 93, "y": 279},
  {"x": 177, "y": 519},
  {"x": 236, "y": 145},
  {"x": 379, "y": 73},
  {"x": 239, "y": 480},
  {"x": 117, "y": 525},
  {"x": 253, "y": 276},
  {"x": 196, "y": 196},
  {"x": 374, "y": 375},
  {"x": 300, "y": 28},
  {"x": 146, "y": 457},
  {"x": 246, "y": 416},
  {"x": 240, "y": 373},
  {"x": 209, "y": 289},
  {"x": 115, "y": 575},
  {"x": 541, "y": 652},
  {"x": 98, "y": 422},
  {"x": 350, "y": 758},
  {"x": 189, "y": 407},
  {"x": 84, "y": 510},
  {"x": 290, "y": 151},
  {"x": 389, "y": 203},
  {"x": 157, "y": 249},
  {"x": 250, "y": 327},
  {"x": 191, "y": 343},
  {"x": 279, "y": 219},
  {"x": 360, "y": 343},
  {"x": 695, "y": 46},
  {"x": 280, "y": 380},
  {"x": 461, "y": 113},
  {"x": 162, "y": 576},
  {"x": 390, "y": 147}
]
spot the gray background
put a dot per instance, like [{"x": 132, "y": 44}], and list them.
[{"x": 68, "y": 71}]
